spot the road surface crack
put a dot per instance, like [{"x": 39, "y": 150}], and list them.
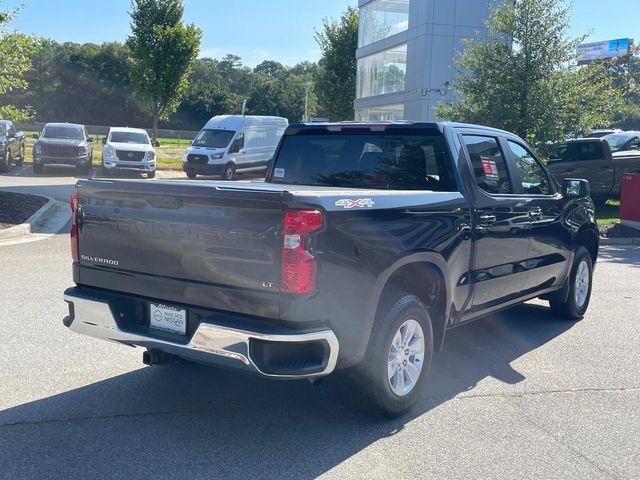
[{"x": 549, "y": 392}]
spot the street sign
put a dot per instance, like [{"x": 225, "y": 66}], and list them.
[{"x": 588, "y": 52}]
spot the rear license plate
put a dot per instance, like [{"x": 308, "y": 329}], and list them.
[{"x": 168, "y": 318}]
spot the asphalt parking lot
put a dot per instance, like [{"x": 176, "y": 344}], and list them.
[{"x": 516, "y": 395}]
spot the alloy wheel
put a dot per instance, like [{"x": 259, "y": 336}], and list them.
[{"x": 406, "y": 357}]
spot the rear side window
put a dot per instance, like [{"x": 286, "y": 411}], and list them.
[
  {"x": 589, "y": 151},
  {"x": 377, "y": 160},
  {"x": 488, "y": 164}
]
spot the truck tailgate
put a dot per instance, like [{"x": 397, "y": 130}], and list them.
[{"x": 185, "y": 231}]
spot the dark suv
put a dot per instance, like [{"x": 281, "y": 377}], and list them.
[
  {"x": 11, "y": 146},
  {"x": 63, "y": 144}
]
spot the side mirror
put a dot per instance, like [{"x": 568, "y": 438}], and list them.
[
  {"x": 35, "y": 136},
  {"x": 11, "y": 135},
  {"x": 575, "y": 188},
  {"x": 104, "y": 141},
  {"x": 90, "y": 140},
  {"x": 156, "y": 143}
]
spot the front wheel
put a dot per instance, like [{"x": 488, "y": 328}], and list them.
[
  {"x": 151, "y": 174},
  {"x": 191, "y": 175},
  {"x": 229, "y": 171},
  {"x": 392, "y": 375},
  {"x": 5, "y": 163},
  {"x": 580, "y": 282}
]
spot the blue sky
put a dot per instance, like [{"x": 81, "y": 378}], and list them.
[{"x": 256, "y": 30}]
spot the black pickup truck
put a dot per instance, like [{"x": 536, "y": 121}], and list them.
[{"x": 364, "y": 245}]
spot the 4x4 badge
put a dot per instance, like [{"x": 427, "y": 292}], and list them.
[{"x": 358, "y": 203}]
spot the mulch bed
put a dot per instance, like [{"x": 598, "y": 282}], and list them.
[
  {"x": 618, "y": 231},
  {"x": 15, "y": 208}
]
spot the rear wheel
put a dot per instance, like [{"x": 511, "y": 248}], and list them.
[
  {"x": 580, "y": 282},
  {"x": 19, "y": 162},
  {"x": 38, "y": 167},
  {"x": 392, "y": 375},
  {"x": 5, "y": 163},
  {"x": 229, "y": 171}
]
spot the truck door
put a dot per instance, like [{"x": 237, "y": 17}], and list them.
[
  {"x": 586, "y": 159},
  {"x": 549, "y": 243},
  {"x": 500, "y": 226}
]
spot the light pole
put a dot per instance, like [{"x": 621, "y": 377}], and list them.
[{"x": 307, "y": 87}]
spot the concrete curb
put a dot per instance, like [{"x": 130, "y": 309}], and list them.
[
  {"x": 24, "y": 229},
  {"x": 619, "y": 241}
]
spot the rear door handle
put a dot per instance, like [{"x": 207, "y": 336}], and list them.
[
  {"x": 536, "y": 215},
  {"x": 486, "y": 219}
]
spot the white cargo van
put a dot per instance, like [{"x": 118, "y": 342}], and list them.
[{"x": 230, "y": 144}]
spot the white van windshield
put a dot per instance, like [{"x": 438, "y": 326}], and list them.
[{"x": 213, "y": 138}]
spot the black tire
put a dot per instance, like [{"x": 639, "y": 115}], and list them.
[
  {"x": 229, "y": 171},
  {"x": 20, "y": 161},
  {"x": 38, "y": 167},
  {"x": 373, "y": 391},
  {"x": 191, "y": 175},
  {"x": 5, "y": 163},
  {"x": 572, "y": 308},
  {"x": 105, "y": 171},
  {"x": 151, "y": 174}
]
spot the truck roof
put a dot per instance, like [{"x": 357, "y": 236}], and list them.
[
  {"x": 440, "y": 126},
  {"x": 63, "y": 124},
  {"x": 127, "y": 129}
]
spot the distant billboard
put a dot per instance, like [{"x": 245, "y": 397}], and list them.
[{"x": 588, "y": 52}]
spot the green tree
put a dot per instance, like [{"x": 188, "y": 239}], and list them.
[
  {"x": 278, "y": 90},
  {"x": 16, "y": 50},
  {"x": 336, "y": 84},
  {"x": 626, "y": 72},
  {"x": 163, "y": 51},
  {"x": 524, "y": 78}
]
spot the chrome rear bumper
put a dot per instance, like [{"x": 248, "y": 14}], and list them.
[{"x": 210, "y": 344}]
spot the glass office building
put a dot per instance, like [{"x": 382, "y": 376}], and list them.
[{"x": 406, "y": 52}]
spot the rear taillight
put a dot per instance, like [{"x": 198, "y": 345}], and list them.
[
  {"x": 298, "y": 264},
  {"x": 74, "y": 226}
]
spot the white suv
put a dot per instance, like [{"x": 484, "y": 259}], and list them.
[{"x": 128, "y": 149}]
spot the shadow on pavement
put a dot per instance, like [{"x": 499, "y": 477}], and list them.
[
  {"x": 55, "y": 171},
  {"x": 628, "y": 255},
  {"x": 190, "y": 421}
]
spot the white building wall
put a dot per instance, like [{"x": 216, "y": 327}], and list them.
[{"x": 435, "y": 32}]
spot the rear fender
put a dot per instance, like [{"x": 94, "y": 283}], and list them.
[{"x": 422, "y": 257}]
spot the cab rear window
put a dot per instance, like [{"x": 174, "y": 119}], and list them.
[{"x": 373, "y": 161}]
